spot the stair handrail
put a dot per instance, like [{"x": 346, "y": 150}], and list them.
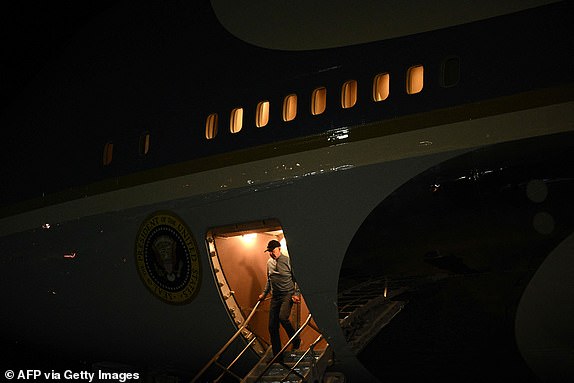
[
  {"x": 310, "y": 349},
  {"x": 227, "y": 369},
  {"x": 274, "y": 359},
  {"x": 226, "y": 345}
]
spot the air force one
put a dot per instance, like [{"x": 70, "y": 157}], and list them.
[{"x": 416, "y": 161}]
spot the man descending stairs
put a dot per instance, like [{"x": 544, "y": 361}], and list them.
[{"x": 305, "y": 365}]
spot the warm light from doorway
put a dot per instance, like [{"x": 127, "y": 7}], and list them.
[{"x": 248, "y": 239}]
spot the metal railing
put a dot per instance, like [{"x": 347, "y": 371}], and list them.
[
  {"x": 311, "y": 350},
  {"x": 214, "y": 360},
  {"x": 280, "y": 353}
]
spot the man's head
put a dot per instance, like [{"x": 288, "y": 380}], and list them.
[{"x": 274, "y": 248}]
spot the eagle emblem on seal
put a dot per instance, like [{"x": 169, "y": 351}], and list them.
[{"x": 167, "y": 259}]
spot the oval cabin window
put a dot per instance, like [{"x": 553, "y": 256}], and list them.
[
  {"x": 290, "y": 107},
  {"x": 415, "y": 79},
  {"x": 211, "y": 126},
  {"x": 262, "y": 114},
  {"x": 108, "y": 153},
  {"x": 381, "y": 86},
  {"x": 144, "y": 144},
  {"x": 349, "y": 94},
  {"x": 319, "y": 101},
  {"x": 450, "y": 72},
  {"x": 236, "y": 120}
]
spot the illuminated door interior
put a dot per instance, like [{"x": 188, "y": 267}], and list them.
[{"x": 239, "y": 262}]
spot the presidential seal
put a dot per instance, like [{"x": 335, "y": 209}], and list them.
[{"x": 167, "y": 258}]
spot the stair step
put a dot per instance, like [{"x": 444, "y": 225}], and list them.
[
  {"x": 274, "y": 371},
  {"x": 278, "y": 369},
  {"x": 310, "y": 367}
]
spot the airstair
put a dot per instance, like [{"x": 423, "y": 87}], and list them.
[{"x": 289, "y": 366}]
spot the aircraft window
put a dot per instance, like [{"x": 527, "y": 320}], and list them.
[
  {"x": 144, "y": 143},
  {"x": 290, "y": 107},
  {"x": 318, "y": 100},
  {"x": 381, "y": 87},
  {"x": 262, "y": 115},
  {"x": 211, "y": 126},
  {"x": 349, "y": 94},
  {"x": 450, "y": 72},
  {"x": 236, "y": 121},
  {"x": 415, "y": 79},
  {"x": 108, "y": 153}
]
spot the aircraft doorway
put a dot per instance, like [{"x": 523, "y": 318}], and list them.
[{"x": 239, "y": 260}]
